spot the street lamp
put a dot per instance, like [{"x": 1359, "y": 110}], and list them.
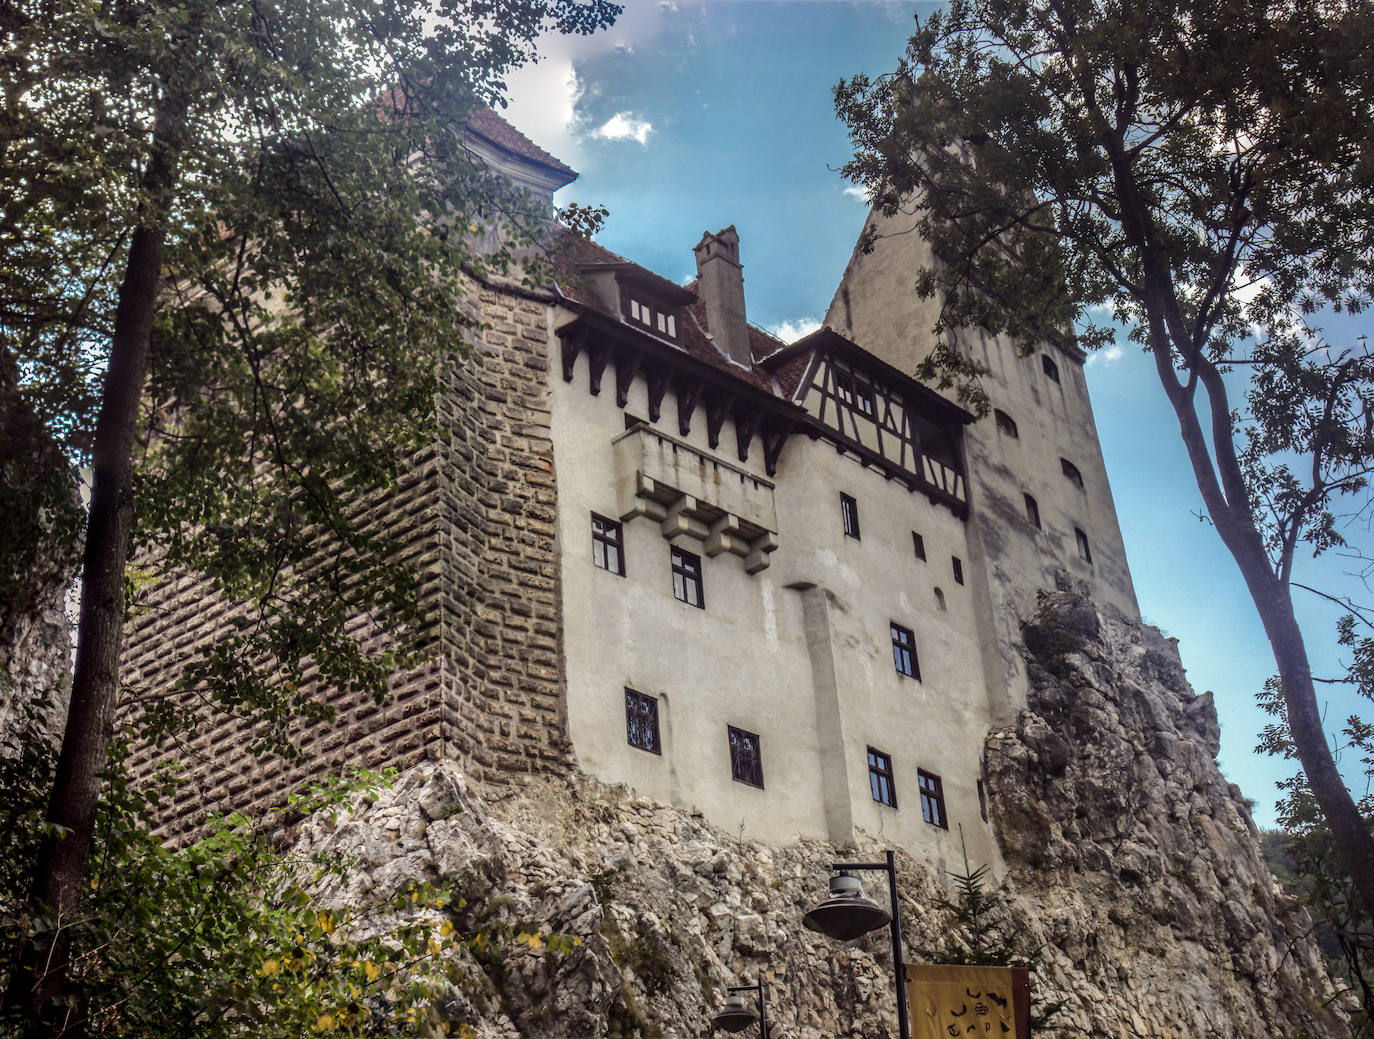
[
  {"x": 736, "y": 1014},
  {"x": 846, "y": 914}
]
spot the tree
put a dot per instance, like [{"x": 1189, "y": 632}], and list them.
[
  {"x": 228, "y": 279},
  {"x": 1204, "y": 172}
]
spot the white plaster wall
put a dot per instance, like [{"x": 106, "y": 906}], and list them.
[{"x": 745, "y": 661}]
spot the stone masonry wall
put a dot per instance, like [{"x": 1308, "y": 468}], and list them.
[
  {"x": 501, "y": 639},
  {"x": 475, "y": 514}
]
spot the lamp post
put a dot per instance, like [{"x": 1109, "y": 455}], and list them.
[
  {"x": 846, "y": 914},
  {"x": 736, "y": 1014}
]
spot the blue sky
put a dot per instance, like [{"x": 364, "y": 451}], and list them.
[{"x": 689, "y": 116}]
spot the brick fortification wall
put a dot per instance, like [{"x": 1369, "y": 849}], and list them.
[
  {"x": 476, "y": 516},
  {"x": 501, "y": 641}
]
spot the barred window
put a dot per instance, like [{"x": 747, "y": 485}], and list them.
[
  {"x": 641, "y": 721},
  {"x": 608, "y": 545},
  {"x": 687, "y": 578},
  {"x": 880, "y": 778},
  {"x": 932, "y": 799},
  {"x": 904, "y": 651},
  {"x": 746, "y": 763}
]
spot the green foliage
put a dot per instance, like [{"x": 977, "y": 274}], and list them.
[
  {"x": 979, "y": 934},
  {"x": 227, "y": 936}
]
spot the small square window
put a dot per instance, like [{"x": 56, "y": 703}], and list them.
[
  {"x": 1071, "y": 473},
  {"x": 1083, "y": 550},
  {"x": 1049, "y": 367},
  {"x": 1032, "y": 512},
  {"x": 746, "y": 763},
  {"x": 932, "y": 799},
  {"x": 849, "y": 511},
  {"x": 641, "y": 721},
  {"x": 608, "y": 545},
  {"x": 687, "y": 578},
  {"x": 919, "y": 544},
  {"x": 904, "y": 651},
  {"x": 880, "y": 778},
  {"x": 958, "y": 565}
]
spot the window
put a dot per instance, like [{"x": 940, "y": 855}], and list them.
[
  {"x": 1032, "y": 512},
  {"x": 654, "y": 318},
  {"x": 1049, "y": 367},
  {"x": 849, "y": 510},
  {"x": 982, "y": 801},
  {"x": 746, "y": 764},
  {"x": 608, "y": 545},
  {"x": 1071, "y": 473},
  {"x": 863, "y": 397},
  {"x": 641, "y": 721},
  {"x": 958, "y": 566},
  {"x": 904, "y": 651},
  {"x": 932, "y": 799},
  {"x": 880, "y": 778},
  {"x": 1006, "y": 424},
  {"x": 1083, "y": 550},
  {"x": 939, "y": 598},
  {"x": 687, "y": 578},
  {"x": 919, "y": 544}
]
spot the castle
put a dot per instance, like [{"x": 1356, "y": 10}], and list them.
[{"x": 778, "y": 584}]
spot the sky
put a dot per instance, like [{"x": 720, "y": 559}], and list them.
[{"x": 690, "y": 116}]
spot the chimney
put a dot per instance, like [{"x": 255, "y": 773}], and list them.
[{"x": 720, "y": 284}]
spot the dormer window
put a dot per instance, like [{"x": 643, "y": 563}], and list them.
[{"x": 650, "y": 315}]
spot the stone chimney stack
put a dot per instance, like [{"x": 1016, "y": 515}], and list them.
[{"x": 720, "y": 284}]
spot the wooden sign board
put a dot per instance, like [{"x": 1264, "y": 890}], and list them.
[{"x": 952, "y": 1001}]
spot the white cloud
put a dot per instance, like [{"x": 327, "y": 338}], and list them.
[
  {"x": 858, "y": 192},
  {"x": 791, "y": 331},
  {"x": 625, "y": 126},
  {"x": 1107, "y": 355}
]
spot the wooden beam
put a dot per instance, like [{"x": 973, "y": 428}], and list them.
[
  {"x": 626, "y": 368},
  {"x": 657, "y": 385},
  {"x": 717, "y": 407},
  {"x": 688, "y": 394},
  {"x": 745, "y": 424},
  {"x": 597, "y": 357}
]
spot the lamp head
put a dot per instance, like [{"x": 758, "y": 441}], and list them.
[
  {"x": 846, "y": 914},
  {"x": 736, "y": 1014}
]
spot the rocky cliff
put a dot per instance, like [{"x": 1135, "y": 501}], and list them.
[{"x": 1131, "y": 865}]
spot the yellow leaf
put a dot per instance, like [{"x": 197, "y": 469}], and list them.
[
  {"x": 535, "y": 940},
  {"x": 325, "y": 1023},
  {"x": 446, "y": 928},
  {"x": 371, "y": 971},
  {"x": 326, "y": 922},
  {"x": 466, "y": 1031},
  {"x": 434, "y": 947},
  {"x": 269, "y": 967}
]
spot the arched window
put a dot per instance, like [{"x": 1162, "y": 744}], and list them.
[
  {"x": 1006, "y": 424},
  {"x": 939, "y": 598},
  {"x": 1071, "y": 473},
  {"x": 1032, "y": 512},
  {"x": 1083, "y": 550},
  {"x": 1049, "y": 367}
]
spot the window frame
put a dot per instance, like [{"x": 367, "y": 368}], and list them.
[
  {"x": 602, "y": 540},
  {"x": 686, "y": 571},
  {"x": 849, "y": 515},
  {"x": 1085, "y": 551},
  {"x": 904, "y": 651},
  {"x": 1071, "y": 473},
  {"x": 932, "y": 798},
  {"x": 738, "y": 738},
  {"x": 881, "y": 782},
  {"x": 643, "y": 700}
]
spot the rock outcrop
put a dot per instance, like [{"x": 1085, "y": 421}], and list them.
[{"x": 1132, "y": 867}]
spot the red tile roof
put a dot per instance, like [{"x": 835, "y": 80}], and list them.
[
  {"x": 487, "y": 124},
  {"x": 576, "y": 256}
]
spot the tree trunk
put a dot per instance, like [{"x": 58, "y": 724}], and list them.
[{"x": 60, "y": 871}]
